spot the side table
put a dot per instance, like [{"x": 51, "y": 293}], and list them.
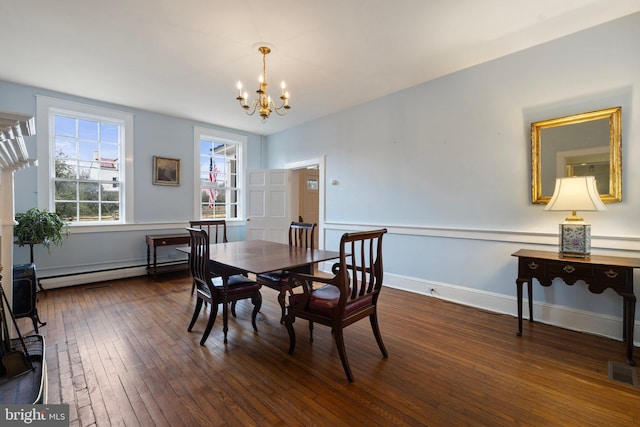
[
  {"x": 599, "y": 272},
  {"x": 156, "y": 240}
]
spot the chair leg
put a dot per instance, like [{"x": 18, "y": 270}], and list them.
[
  {"x": 196, "y": 312},
  {"x": 288, "y": 322},
  {"x": 213, "y": 312},
  {"x": 36, "y": 320},
  {"x": 281, "y": 301},
  {"x": 310, "y": 331},
  {"x": 343, "y": 353},
  {"x": 256, "y": 299},
  {"x": 225, "y": 319},
  {"x": 376, "y": 332},
  {"x": 233, "y": 308},
  {"x": 35, "y": 324}
]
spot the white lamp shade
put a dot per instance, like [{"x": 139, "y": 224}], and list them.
[{"x": 578, "y": 193}]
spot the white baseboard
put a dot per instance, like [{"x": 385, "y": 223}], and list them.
[
  {"x": 556, "y": 315},
  {"x": 86, "y": 278}
]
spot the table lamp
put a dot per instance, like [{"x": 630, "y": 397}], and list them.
[{"x": 578, "y": 193}]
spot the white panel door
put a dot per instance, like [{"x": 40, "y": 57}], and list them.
[{"x": 268, "y": 212}]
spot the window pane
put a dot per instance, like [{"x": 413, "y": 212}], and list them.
[
  {"x": 66, "y": 190},
  {"x": 67, "y": 211},
  {"x": 84, "y": 169},
  {"x": 109, "y": 133},
  {"x": 88, "y": 130},
  {"x": 88, "y": 150},
  {"x": 109, "y": 151},
  {"x": 110, "y": 192},
  {"x": 88, "y": 191},
  {"x": 64, "y": 168},
  {"x": 110, "y": 211},
  {"x": 65, "y": 147},
  {"x": 88, "y": 211},
  {"x": 65, "y": 126}
]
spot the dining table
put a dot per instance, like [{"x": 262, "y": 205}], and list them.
[{"x": 260, "y": 256}]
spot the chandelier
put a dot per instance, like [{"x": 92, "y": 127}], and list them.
[{"x": 263, "y": 103}]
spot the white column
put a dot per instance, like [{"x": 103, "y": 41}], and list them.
[{"x": 7, "y": 222}]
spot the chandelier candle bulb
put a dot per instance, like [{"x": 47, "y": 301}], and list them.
[{"x": 239, "y": 85}]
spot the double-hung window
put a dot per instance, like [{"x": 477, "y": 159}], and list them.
[
  {"x": 86, "y": 168},
  {"x": 219, "y": 171}
]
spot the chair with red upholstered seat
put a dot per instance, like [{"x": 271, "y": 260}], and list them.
[
  {"x": 211, "y": 289},
  {"x": 350, "y": 295}
]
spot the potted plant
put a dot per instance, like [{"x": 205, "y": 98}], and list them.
[{"x": 39, "y": 227}]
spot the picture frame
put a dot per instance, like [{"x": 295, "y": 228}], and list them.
[{"x": 166, "y": 171}]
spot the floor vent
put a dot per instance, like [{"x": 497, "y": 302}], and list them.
[{"x": 623, "y": 373}]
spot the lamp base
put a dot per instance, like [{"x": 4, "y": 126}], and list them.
[{"x": 575, "y": 239}]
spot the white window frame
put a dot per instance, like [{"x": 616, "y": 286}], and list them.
[
  {"x": 47, "y": 108},
  {"x": 229, "y": 138}
]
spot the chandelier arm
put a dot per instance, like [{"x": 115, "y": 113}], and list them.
[
  {"x": 281, "y": 110},
  {"x": 252, "y": 109},
  {"x": 277, "y": 110}
]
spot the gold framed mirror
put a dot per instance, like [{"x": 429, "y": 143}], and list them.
[{"x": 578, "y": 145}]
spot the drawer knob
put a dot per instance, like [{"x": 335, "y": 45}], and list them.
[
  {"x": 611, "y": 274},
  {"x": 533, "y": 265},
  {"x": 568, "y": 269}
]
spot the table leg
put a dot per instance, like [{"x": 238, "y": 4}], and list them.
[
  {"x": 225, "y": 309},
  {"x": 155, "y": 264},
  {"x": 629, "y": 316},
  {"x": 530, "y": 294},
  {"x": 625, "y": 309},
  {"x": 519, "y": 298},
  {"x": 148, "y": 259}
]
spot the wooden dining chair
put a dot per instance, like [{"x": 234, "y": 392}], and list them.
[
  {"x": 302, "y": 235},
  {"x": 211, "y": 289},
  {"x": 219, "y": 235},
  {"x": 350, "y": 295},
  {"x": 219, "y": 227}
]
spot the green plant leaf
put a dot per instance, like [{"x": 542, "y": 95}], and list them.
[{"x": 40, "y": 227}]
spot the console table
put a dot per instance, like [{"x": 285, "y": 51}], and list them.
[
  {"x": 599, "y": 272},
  {"x": 156, "y": 240}
]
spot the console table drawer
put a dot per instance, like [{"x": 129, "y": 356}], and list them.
[
  {"x": 570, "y": 269},
  {"x": 616, "y": 278},
  {"x": 172, "y": 241},
  {"x": 530, "y": 267}
]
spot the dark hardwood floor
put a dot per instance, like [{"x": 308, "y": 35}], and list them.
[{"x": 119, "y": 354}]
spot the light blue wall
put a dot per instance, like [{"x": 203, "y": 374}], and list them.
[
  {"x": 157, "y": 209},
  {"x": 446, "y": 164}
]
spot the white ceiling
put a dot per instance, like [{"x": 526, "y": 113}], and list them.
[{"x": 184, "y": 57}]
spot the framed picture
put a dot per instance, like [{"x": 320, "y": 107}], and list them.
[{"x": 166, "y": 171}]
